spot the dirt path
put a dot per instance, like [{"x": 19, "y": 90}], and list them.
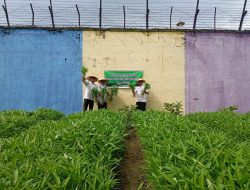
[{"x": 131, "y": 174}]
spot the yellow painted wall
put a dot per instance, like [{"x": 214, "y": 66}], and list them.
[{"x": 159, "y": 54}]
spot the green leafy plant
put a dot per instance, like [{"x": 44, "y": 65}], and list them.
[
  {"x": 48, "y": 114},
  {"x": 84, "y": 71},
  {"x": 80, "y": 151},
  {"x": 147, "y": 86},
  {"x": 197, "y": 151},
  {"x": 127, "y": 109},
  {"x": 14, "y": 122},
  {"x": 173, "y": 108},
  {"x": 113, "y": 93},
  {"x": 229, "y": 108},
  {"x": 132, "y": 85},
  {"x": 95, "y": 92},
  {"x": 104, "y": 91}
]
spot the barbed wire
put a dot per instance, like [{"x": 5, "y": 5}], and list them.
[{"x": 116, "y": 15}]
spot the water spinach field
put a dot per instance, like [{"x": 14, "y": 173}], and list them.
[{"x": 46, "y": 149}]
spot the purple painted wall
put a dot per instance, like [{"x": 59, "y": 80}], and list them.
[{"x": 217, "y": 71}]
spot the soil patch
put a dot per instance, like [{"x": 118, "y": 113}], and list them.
[{"x": 131, "y": 173}]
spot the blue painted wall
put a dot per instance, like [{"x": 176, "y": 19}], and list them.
[{"x": 40, "y": 68}]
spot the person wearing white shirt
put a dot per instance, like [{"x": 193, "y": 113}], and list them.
[
  {"x": 88, "y": 96},
  {"x": 141, "y": 95},
  {"x": 102, "y": 97}
]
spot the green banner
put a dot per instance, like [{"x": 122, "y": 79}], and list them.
[{"x": 122, "y": 78}]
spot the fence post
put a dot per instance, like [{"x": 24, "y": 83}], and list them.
[
  {"x": 147, "y": 14},
  {"x": 215, "y": 13},
  {"x": 51, "y": 14},
  {"x": 100, "y": 15},
  {"x": 33, "y": 14},
  {"x": 171, "y": 12},
  {"x": 51, "y": 4},
  {"x": 124, "y": 17},
  {"x": 244, "y": 12},
  {"x": 6, "y": 13},
  {"x": 79, "y": 16},
  {"x": 196, "y": 14}
]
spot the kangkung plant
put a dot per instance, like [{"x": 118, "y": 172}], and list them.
[
  {"x": 95, "y": 92},
  {"x": 80, "y": 151},
  {"x": 147, "y": 86},
  {"x": 84, "y": 71},
  {"x": 132, "y": 85},
  {"x": 229, "y": 108},
  {"x": 174, "y": 108},
  {"x": 114, "y": 92},
  {"x": 198, "y": 151}
]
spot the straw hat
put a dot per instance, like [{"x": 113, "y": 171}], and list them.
[
  {"x": 141, "y": 80},
  {"x": 91, "y": 76},
  {"x": 103, "y": 79}
]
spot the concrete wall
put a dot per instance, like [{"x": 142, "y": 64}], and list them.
[
  {"x": 40, "y": 69},
  {"x": 159, "y": 55},
  {"x": 205, "y": 71},
  {"x": 217, "y": 71}
]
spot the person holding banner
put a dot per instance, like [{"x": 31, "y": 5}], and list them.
[
  {"x": 102, "y": 97},
  {"x": 88, "y": 96},
  {"x": 141, "y": 93}
]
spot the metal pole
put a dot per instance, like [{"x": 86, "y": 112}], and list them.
[
  {"x": 147, "y": 14},
  {"x": 171, "y": 13},
  {"x": 100, "y": 15},
  {"x": 124, "y": 17},
  {"x": 33, "y": 14},
  {"x": 79, "y": 16},
  {"x": 196, "y": 14},
  {"x": 215, "y": 13},
  {"x": 244, "y": 12},
  {"x": 51, "y": 4},
  {"x": 52, "y": 16},
  {"x": 6, "y": 13}
]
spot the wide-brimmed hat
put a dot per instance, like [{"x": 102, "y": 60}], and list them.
[
  {"x": 91, "y": 76},
  {"x": 141, "y": 80},
  {"x": 103, "y": 79}
]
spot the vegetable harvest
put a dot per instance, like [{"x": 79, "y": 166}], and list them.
[
  {"x": 114, "y": 92},
  {"x": 84, "y": 71}
]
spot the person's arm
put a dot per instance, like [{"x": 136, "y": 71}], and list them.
[
  {"x": 85, "y": 81},
  {"x": 133, "y": 92},
  {"x": 145, "y": 91}
]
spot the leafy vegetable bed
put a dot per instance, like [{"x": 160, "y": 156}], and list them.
[
  {"x": 76, "y": 152},
  {"x": 199, "y": 151},
  {"x": 14, "y": 122}
]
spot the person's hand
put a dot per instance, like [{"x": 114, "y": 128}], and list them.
[{"x": 83, "y": 78}]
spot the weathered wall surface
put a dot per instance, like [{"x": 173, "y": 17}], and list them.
[
  {"x": 41, "y": 69},
  {"x": 160, "y": 56},
  {"x": 205, "y": 71},
  {"x": 217, "y": 71}
]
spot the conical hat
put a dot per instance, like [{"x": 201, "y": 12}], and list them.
[
  {"x": 141, "y": 80},
  {"x": 91, "y": 76},
  {"x": 103, "y": 79}
]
